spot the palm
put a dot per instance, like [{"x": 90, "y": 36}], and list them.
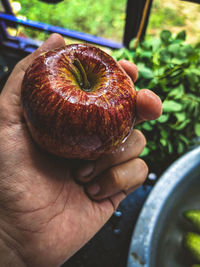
[
  {"x": 48, "y": 207},
  {"x": 46, "y": 215}
]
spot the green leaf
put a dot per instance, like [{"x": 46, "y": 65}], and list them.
[
  {"x": 152, "y": 145},
  {"x": 132, "y": 43},
  {"x": 156, "y": 43},
  {"x": 181, "y": 116},
  {"x": 197, "y": 129},
  {"x": 145, "y": 152},
  {"x": 163, "y": 142},
  {"x": 118, "y": 54},
  {"x": 146, "y": 44},
  {"x": 147, "y": 54},
  {"x": 184, "y": 139},
  {"x": 179, "y": 61},
  {"x": 146, "y": 126},
  {"x": 180, "y": 147},
  {"x": 128, "y": 55},
  {"x": 171, "y": 106},
  {"x": 177, "y": 92},
  {"x": 187, "y": 50},
  {"x": 165, "y": 36},
  {"x": 123, "y": 53},
  {"x": 195, "y": 71},
  {"x": 145, "y": 72},
  {"x": 159, "y": 72},
  {"x": 165, "y": 56},
  {"x": 197, "y": 45},
  {"x": 163, "y": 118},
  {"x": 174, "y": 48},
  {"x": 180, "y": 126},
  {"x": 181, "y": 35},
  {"x": 164, "y": 134},
  {"x": 170, "y": 147},
  {"x": 152, "y": 122}
]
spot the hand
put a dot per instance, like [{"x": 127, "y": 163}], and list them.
[{"x": 45, "y": 216}]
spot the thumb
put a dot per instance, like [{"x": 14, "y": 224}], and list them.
[
  {"x": 54, "y": 41},
  {"x": 13, "y": 85},
  {"x": 11, "y": 93}
]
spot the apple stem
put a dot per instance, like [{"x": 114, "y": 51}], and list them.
[{"x": 81, "y": 76}]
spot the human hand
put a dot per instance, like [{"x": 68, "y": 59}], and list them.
[{"x": 45, "y": 216}]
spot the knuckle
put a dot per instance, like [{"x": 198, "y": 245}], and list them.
[
  {"x": 114, "y": 174},
  {"x": 106, "y": 161}
]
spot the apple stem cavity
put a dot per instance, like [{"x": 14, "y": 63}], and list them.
[{"x": 81, "y": 76}]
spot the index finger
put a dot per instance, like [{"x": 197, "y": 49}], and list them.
[
  {"x": 149, "y": 106},
  {"x": 130, "y": 68}
]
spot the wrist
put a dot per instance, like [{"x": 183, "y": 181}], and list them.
[{"x": 9, "y": 256}]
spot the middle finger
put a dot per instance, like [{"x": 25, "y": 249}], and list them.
[{"x": 130, "y": 149}]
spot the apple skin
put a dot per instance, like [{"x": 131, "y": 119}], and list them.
[{"x": 68, "y": 121}]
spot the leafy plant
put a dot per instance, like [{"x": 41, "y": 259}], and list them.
[
  {"x": 171, "y": 68},
  {"x": 105, "y": 18}
]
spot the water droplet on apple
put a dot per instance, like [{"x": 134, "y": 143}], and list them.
[
  {"x": 73, "y": 99},
  {"x": 124, "y": 140}
]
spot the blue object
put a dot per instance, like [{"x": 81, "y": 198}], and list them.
[{"x": 65, "y": 32}]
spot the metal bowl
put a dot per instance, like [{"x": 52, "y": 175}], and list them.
[{"x": 156, "y": 241}]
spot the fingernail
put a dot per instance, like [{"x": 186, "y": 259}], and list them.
[
  {"x": 85, "y": 170},
  {"x": 93, "y": 189}
]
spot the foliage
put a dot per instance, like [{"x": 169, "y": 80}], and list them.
[
  {"x": 105, "y": 18},
  {"x": 171, "y": 68},
  {"x": 166, "y": 16},
  {"x": 175, "y": 16}
]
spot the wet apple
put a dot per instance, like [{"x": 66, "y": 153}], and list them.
[{"x": 78, "y": 102}]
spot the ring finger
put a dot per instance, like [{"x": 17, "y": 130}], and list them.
[
  {"x": 121, "y": 178},
  {"x": 130, "y": 149}
]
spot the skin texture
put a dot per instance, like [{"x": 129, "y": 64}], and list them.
[
  {"x": 69, "y": 121},
  {"x": 45, "y": 216}
]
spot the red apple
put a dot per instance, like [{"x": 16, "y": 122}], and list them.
[{"x": 78, "y": 102}]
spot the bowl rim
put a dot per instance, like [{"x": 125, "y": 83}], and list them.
[{"x": 141, "y": 242}]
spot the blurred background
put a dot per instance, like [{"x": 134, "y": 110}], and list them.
[
  {"x": 162, "y": 37},
  {"x": 106, "y": 18}
]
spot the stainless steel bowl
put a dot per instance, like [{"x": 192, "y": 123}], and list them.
[{"x": 156, "y": 241}]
